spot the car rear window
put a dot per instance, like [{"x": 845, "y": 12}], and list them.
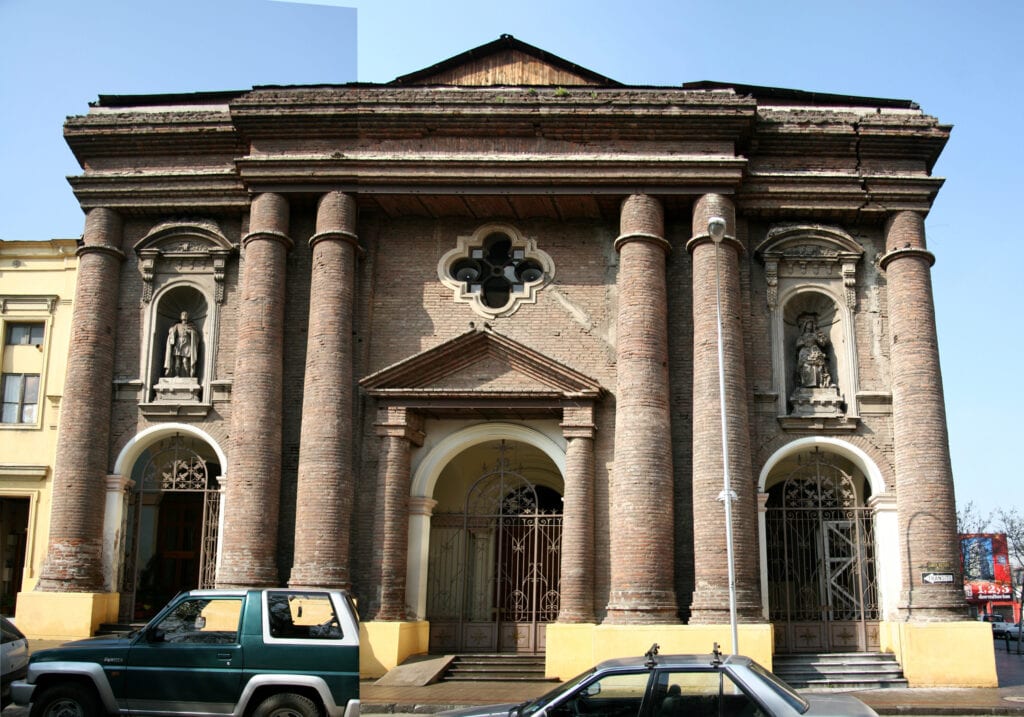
[{"x": 785, "y": 691}]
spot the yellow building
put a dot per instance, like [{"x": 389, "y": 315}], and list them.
[{"x": 37, "y": 284}]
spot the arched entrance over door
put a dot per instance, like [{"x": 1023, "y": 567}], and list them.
[
  {"x": 495, "y": 550},
  {"x": 171, "y": 526},
  {"x": 822, "y": 576}
]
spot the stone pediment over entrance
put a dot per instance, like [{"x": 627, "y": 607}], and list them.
[{"x": 483, "y": 365}]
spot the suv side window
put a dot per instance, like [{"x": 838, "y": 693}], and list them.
[
  {"x": 202, "y": 621},
  {"x": 615, "y": 695},
  {"x": 294, "y": 614},
  {"x": 704, "y": 693}
]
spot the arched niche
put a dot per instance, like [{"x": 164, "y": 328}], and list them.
[
  {"x": 183, "y": 266},
  {"x": 811, "y": 280},
  {"x": 816, "y": 365}
]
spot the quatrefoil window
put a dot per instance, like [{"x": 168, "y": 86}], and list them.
[{"x": 495, "y": 270}]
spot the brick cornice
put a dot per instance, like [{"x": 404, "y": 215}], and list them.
[{"x": 504, "y": 172}]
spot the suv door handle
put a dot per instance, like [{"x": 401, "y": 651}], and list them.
[{"x": 223, "y": 655}]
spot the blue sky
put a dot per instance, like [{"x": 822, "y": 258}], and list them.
[{"x": 961, "y": 64}]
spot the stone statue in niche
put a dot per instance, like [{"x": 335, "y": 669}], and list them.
[
  {"x": 811, "y": 360},
  {"x": 179, "y": 383},
  {"x": 182, "y": 349},
  {"x": 816, "y": 393}
]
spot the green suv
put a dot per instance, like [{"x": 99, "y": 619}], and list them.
[{"x": 259, "y": 652}]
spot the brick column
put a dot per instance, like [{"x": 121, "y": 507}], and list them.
[
  {"x": 74, "y": 558},
  {"x": 325, "y": 489},
  {"x": 924, "y": 478},
  {"x": 252, "y": 484},
  {"x": 576, "y": 603},
  {"x": 399, "y": 430},
  {"x": 711, "y": 576},
  {"x": 641, "y": 491}
]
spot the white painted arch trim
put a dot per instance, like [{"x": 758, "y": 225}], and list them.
[
  {"x": 429, "y": 469},
  {"x": 849, "y": 451},
  {"x": 144, "y": 439},
  {"x": 425, "y": 478}
]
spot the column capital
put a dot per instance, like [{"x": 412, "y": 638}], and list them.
[
  {"x": 705, "y": 238},
  {"x": 337, "y": 235},
  {"x": 762, "y": 502},
  {"x": 280, "y": 237},
  {"x": 706, "y": 207},
  {"x": 421, "y": 505},
  {"x": 642, "y": 218},
  {"x": 578, "y": 421},
  {"x": 911, "y": 252},
  {"x": 100, "y": 249},
  {"x": 117, "y": 483},
  {"x": 400, "y": 422},
  {"x": 268, "y": 219}
]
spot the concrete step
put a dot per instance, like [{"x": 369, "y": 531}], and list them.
[
  {"x": 499, "y": 667},
  {"x": 840, "y": 671}
]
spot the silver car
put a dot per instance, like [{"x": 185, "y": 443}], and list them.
[
  {"x": 676, "y": 686},
  {"x": 13, "y": 658}
]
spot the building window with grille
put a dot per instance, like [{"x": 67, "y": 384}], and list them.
[
  {"x": 495, "y": 270},
  {"x": 21, "y": 397},
  {"x": 25, "y": 334}
]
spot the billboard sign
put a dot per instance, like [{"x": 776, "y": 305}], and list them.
[{"x": 986, "y": 563}]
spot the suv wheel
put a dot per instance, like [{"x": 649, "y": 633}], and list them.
[
  {"x": 68, "y": 700},
  {"x": 285, "y": 704}
]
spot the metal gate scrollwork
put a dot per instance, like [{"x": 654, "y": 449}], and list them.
[
  {"x": 822, "y": 587},
  {"x": 493, "y": 573},
  {"x": 174, "y": 468}
]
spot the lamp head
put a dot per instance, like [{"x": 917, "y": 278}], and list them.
[{"x": 716, "y": 229}]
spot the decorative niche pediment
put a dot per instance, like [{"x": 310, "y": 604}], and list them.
[
  {"x": 810, "y": 252},
  {"x": 182, "y": 247},
  {"x": 480, "y": 364}
]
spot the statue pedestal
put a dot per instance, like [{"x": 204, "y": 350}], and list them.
[
  {"x": 177, "y": 389},
  {"x": 816, "y": 402}
]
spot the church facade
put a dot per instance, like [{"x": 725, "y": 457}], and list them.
[{"x": 461, "y": 343}]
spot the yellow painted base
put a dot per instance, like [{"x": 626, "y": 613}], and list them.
[
  {"x": 942, "y": 654},
  {"x": 384, "y": 645},
  {"x": 571, "y": 649},
  {"x": 64, "y": 616}
]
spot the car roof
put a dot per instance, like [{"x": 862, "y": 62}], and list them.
[
  {"x": 239, "y": 592},
  {"x": 670, "y": 661}
]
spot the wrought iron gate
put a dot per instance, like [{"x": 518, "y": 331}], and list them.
[
  {"x": 180, "y": 559},
  {"x": 822, "y": 589},
  {"x": 493, "y": 570}
]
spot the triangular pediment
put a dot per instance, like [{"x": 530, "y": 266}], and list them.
[
  {"x": 480, "y": 363},
  {"x": 506, "y": 62}
]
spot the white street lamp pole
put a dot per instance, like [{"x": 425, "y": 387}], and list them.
[{"x": 716, "y": 229}]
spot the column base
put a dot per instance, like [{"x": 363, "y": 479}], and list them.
[
  {"x": 571, "y": 649},
  {"x": 942, "y": 654},
  {"x": 64, "y": 616},
  {"x": 642, "y": 607},
  {"x": 384, "y": 645}
]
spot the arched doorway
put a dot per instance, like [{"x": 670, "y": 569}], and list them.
[
  {"x": 495, "y": 550},
  {"x": 822, "y": 577},
  {"x": 171, "y": 527}
]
